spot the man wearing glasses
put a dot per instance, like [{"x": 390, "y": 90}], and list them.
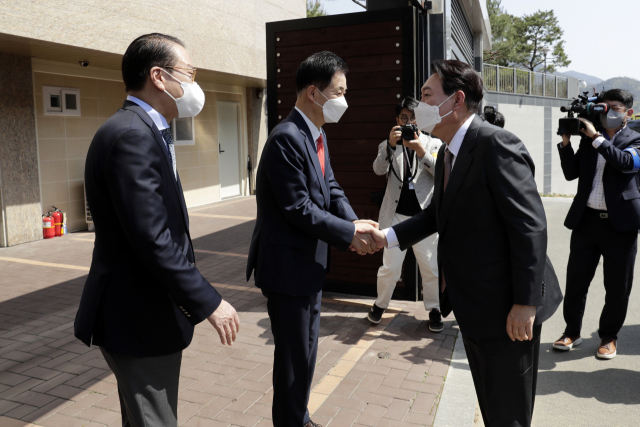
[
  {"x": 409, "y": 166},
  {"x": 144, "y": 295}
]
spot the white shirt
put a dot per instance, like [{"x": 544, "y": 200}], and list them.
[
  {"x": 456, "y": 141},
  {"x": 315, "y": 132},
  {"x": 596, "y": 198},
  {"x": 454, "y": 147},
  {"x": 158, "y": 119}
]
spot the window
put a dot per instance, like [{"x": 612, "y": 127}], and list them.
[
  {"x": 58, "y": 101},
  {"x": 183, "y": 131}
]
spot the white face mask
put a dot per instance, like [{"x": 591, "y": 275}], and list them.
[
  {"x": 191, "y": 102},
  {"x": 333, "y": 109},
  {"x": 428, "y": 116},
  {"x": 613, "y": 119}
]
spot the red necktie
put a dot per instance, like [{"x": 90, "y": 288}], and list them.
[{"x": 321, "y": 153}]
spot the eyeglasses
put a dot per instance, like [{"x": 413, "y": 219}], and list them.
[
  {"x": 406, "y": 119},
  {"x": 191, "y": 75}
]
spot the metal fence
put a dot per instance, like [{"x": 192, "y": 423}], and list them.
[{"x": 524, "y": 82}]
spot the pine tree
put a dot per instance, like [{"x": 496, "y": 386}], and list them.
[
  {"x": 519, "y": 40},
  {"x": 501, "y": 35},
  {"x": 315, "y": 8},
  {"x": 532, "y": 33}
]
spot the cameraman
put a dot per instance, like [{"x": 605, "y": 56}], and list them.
[
  {"x": 605, "y": 219},
  {"x": 409, "y": 166}
]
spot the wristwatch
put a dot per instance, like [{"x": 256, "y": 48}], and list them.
[{"x": 596, "y": 135}]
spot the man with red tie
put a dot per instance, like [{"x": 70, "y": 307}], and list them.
[{"x": 301, "y": 211}]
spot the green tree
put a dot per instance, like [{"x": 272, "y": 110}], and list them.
[
  {"x": 315, "y": 8},
  {"x": 502, "y": 40},
  {"x": 534, "y": 32}
]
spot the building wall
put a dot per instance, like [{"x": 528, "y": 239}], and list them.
[
  {"x": 559, "y": 185},
  {"x": 524, "y": 121},
  {"x": 198, "y": 164},
  {"x": 63, "y": 143},
  {"x": 19, "y": 190},
  {"x": 222, "y": 35},
  {"x": 534, "y": 120}
]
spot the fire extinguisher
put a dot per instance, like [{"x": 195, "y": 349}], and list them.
[
  {"x": 57, "y": 220},
  {"x": 48, "y": 227}
]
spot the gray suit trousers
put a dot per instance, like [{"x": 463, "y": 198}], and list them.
[{"x": 147, "y": 387}]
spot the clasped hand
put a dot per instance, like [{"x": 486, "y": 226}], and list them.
[{"x": 368, "y": 238}]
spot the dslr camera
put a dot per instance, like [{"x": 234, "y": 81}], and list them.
[
  {"x": 585, "y": 107},
  {"x": 489, "y": 113},
  {"x": 408, "y": 132}
]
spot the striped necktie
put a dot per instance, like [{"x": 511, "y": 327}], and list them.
[{"x": 168, "y": 138}]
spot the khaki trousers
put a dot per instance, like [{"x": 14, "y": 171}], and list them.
[{"x": 426, "y": 253}]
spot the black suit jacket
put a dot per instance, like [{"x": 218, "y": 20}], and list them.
[
  {"x": 493, "y": 233},
  {"x": 143, "y": 295},
  {"x": 300, "y": 213},
  {"x": 620, "y": 187}
]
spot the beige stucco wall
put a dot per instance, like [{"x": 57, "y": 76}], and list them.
[
  {"x": 222, "y": 35},
  {"x": 63, "y": 142},
  {"x": 19, "y": 192}
]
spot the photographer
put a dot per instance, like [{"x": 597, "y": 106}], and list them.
[
  {"x": 604, "y": 217},
  {"x": 492, "y": 116},
  {"x": 409, "y": 161}
]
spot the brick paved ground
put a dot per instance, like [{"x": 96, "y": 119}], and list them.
[{"x": 49, "y": 378}]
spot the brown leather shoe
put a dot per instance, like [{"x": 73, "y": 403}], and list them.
[
  {"x": 566, "y": 343},
  {"x": 607, "y": 349},
  {"x": 312, "y": 424}
]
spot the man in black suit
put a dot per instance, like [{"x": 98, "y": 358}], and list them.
[
  {"x": 493, "y": 240},
  {"x": 301, "y": 211},
  {"x": 605, "y": 219},
  {"x": 144, "y": 294}
]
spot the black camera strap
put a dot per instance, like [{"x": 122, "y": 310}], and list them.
[
  {"x": 412, "y": 172},
  {"x": 390, "y": 160},
  {"x": 409, "y": 162}
]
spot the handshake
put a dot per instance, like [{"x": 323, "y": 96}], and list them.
[{"x": 368, "y": 238}]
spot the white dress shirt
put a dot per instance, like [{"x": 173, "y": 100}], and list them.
[
  {"x": 454, "y": 147},
  {"x": 158, "y": 119},
  {"x": 315, "y": 132},
  {"x": 596, "y": 198}
]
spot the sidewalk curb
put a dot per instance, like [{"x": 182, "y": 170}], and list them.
[{"x": 458, "y": 401}]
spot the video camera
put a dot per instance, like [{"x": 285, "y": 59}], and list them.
[
  {"x": 585, "y": 107},
  {"x": 408, "y": 132}
]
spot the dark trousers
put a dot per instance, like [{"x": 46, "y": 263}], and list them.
[
  {"x": 295, "y": 324},
  {"x": 595, "y": 237},
  {"x": 147, "y": 387},
  {"x": 505, "y": 373}
]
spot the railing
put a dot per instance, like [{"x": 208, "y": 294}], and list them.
[{"x": 524, "y": 82}]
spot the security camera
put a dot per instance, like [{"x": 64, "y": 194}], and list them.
[{"x": 83, "y": 63}]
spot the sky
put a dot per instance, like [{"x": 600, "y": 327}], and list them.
[{"x": 601, "y": 37}]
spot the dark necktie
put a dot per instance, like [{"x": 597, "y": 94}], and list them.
[
  {"x": 448, "y": 160},
  {"x": 321, "y": 153},
  {"x": 168, "y": 138}
]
